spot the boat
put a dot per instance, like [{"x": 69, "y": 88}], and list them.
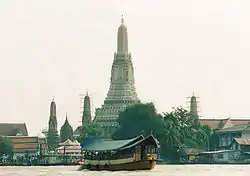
[{"x": 120, "y": 155}]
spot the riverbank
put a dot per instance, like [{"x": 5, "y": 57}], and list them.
[{"x": 39, "y": 164}]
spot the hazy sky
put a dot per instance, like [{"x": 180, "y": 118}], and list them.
[{"x": 64, "y": 48}]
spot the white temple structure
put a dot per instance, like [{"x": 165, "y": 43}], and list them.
[
  {"x": 69, "y": 147},
  {"x": 122, "y": 92}
]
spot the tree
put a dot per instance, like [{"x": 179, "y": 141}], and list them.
[
  {"x": 175, "y": 130},
  {"x": 6, "y": 147},
  {"x": 181, "y": 130},
  {"x": 53, "y": 139},
  {"x": 139, "y": 119},
  {"x": 91, "y": 129}
]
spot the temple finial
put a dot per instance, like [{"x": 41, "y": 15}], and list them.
[
  {"x": 53, "y": 98},
  {"x": 87, "y": 92},
  {"x": 122, "y": 19},
  {"x": 193, "y": 93}
]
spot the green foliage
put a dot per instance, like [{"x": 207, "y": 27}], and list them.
[
  {"x": 214, "y": 140},
  {"x": 182, "y": 130},
  {"x": 138, "y": 119},
  {"x": 91, "y": 129},
  {"x": 53, "y": 139},
  {"x": 6, "y": 147},
  {"x": 175, "y": 130}
]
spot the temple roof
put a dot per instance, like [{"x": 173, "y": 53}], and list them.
[
  {"x": 13, "y": 129},
  {"x": 233, "y": 128},
  {"x": 78, "y": 130},
  {"x": 223, "y": 122},
  {"x": 66, "y": 125},
  {"x": 68, "y": 142},
  {"x": 242, "y": 141}
]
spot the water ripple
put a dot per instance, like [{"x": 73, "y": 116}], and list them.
[{"x": 160, "y": 170}]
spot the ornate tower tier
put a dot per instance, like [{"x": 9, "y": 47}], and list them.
[
  {"x": 66, "y": 131},
  {"x": 86, "y": 117},
  {"x": 122, "y": 92},
  {"x": 53, "y": 137},
  {"x": 194, "y": 106}
]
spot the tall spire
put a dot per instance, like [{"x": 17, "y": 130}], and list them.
[
  {"x": 122, "y": 92},
  {"x": 66, "y": 114},
  {"x": 86, "y": 117},
  {"x": 53, "y": 137},
  {"x": 66, "y": 131},
  {"x": 122, "y": 19},
  {"x": 53, "y": 108},
  {"x": 193, "y": 106},
  {"x": 122, "y": 38}
]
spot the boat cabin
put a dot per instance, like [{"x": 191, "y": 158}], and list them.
[{"x": 135, "y": 149}]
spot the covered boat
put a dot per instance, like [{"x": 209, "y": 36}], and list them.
[{"x": 114, "y": 155}]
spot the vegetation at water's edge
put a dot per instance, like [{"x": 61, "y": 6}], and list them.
[
  {"x": 6, "y": 147},
  {"x": 175, "y": 130},
  {"x": 91, "y": 129}
]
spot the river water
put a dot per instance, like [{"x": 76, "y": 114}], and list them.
[{"x": 159, "y": 170}]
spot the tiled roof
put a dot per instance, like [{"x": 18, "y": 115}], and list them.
[
  {"x": 242, "y": 141},
  {"x": 220, "y": 123},
  {"x": 12, "y": 129},
  {"x": 78, "y": 130},
  {"x": 213, "y": 123},
  {"x": 68, "y": 142},
  {"x": 69, "y": 149},
  {"x": 240, "y": 121},
  {"x": 233, "y": 128}
]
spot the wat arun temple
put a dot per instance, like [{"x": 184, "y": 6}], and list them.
[{"x": 122, "y": 92}]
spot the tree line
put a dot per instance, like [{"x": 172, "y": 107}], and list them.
[{"x": 175, "y": 130}]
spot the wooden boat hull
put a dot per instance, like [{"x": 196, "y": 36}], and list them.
[{"x": 131, "y": 166}]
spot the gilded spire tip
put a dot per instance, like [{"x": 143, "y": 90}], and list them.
[{"x": 122, "y": 19}]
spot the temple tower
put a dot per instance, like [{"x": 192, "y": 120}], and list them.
[
  {"x": 122, "y": 92},
  {"x": 86, "y": 117},
  {"x": 193, "y": 106},
  {"x": 66, "y": 131},
  {"x": 53, "y": 137}
]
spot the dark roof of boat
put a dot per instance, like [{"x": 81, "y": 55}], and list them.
[
  {"x": 97, "y": 144},
  {"x": 150, "y": 138}
]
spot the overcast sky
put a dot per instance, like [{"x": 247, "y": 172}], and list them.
[{"x": 63, "y": 48}]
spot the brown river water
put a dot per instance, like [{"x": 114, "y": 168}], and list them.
[{"x": 159, "y": 170}]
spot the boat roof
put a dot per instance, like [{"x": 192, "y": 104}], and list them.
[
  {"x": 150, "y": 139},
  {"x": 218, "y": 151},
  {"x": 97, "y": 144}
]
